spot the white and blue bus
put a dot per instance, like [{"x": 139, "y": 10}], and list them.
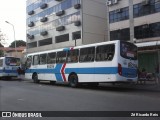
[
  {"x": 8, "y": 66},
  {"x": 113, "y": 61}
]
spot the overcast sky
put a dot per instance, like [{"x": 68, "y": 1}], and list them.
[{"x": 13, "y": 11}]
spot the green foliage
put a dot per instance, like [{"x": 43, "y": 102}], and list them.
[
  {"x": 1, "y": 53},
  {"x": 18, "y": 43}
]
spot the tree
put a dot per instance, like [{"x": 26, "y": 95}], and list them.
[
  {"x": 2, "y": 39},
  {"x": 18, "y": 43}
]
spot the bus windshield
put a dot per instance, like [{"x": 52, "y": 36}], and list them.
[
  {"x": 128, "y": 50},
  {"x": 11, "y": 61}
]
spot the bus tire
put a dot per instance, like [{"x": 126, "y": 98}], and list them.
[
  {"x": 73, "y": 80},
  {"x": 35, "y": 78}
]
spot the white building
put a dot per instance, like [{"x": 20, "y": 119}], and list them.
[{"x": 55, "y": 24}]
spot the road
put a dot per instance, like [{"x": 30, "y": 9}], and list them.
[{"x": 28, "y": 96}]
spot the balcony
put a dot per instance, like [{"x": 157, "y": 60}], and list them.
[
  {"x": 60, "y": 13},
  {"x": 60, "y": 28}
]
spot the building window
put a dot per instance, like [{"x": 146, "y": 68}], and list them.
[
  {"x": 119, "y": 15},
  {"x": 76, "y": 35},
  {"x": 32, "y": 45},
  {"x": 121, "y": 34},
  {"x": 150, "y": 7},
  {"x": 147, "y": 31},
  {"x": 87, "y": 54},
  {"x": 45, "y": 42},
  {"x": 62, "y": 38}
]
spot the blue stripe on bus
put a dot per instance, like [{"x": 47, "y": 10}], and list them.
[
  {"x": 58, "y": 71},
  {"x": 97, "y": 70},
  {"x": 126, "y": 72}
]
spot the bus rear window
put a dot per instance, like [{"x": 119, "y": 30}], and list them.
[
  {"x": 128, "y": 50},
  {"x": 11, "y": 61}
]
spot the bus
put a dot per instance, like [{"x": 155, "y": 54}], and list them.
[
  {"x": 112, "y": 61},
  {"x": 9, "y": 66}
]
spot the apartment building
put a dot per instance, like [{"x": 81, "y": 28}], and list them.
[
  {"x": 137, "y": 21},
  {"x": 53, "y": 24}
]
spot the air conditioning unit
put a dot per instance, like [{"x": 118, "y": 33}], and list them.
[
  {"x": 118, "y": 10},
  {"x": 31, "y": 12},
  {"x": 114, "y": 1},
  {"x": 77, "y": 23},
  {"x": 60, "y": 28},
  {"x": 108, "y": 2},
  {"x": 31, "y": 24},
  {"x": 30, "y": 36},
  {"x": 77, "y": 6},
  {"x": 43, "y": 6},
  {"x": 44, "y": 19},
  {"x": 62, "y": 12},
  {"x": 44, "y": 33}
]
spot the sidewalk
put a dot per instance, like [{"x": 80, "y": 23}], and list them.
[{"x": 149, "y": 86}]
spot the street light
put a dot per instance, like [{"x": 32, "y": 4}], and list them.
[{"x": 14, "y": 36}]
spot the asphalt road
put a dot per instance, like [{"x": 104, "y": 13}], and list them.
[{"x": 28, "y": 96}]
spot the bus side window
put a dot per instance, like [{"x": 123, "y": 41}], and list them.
[
  {"x": 28, "y": 62},
  {"x": 35, "y": 59},
  {"x": 72, "y": 56},
  {"x": 87, "y": 54},
  {"x": 51, "y": 58},
  {"x": 1, "y": 62},
  {"x": 105, "y": 52},
  {"x": 61, "y": 57},
  {"x": 43, "y": 59}
]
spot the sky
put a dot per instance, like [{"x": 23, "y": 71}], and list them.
[{"x": 13, "y": 11}]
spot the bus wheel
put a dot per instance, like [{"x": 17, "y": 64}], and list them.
[
  {"x": 73, "y": 80},
  {"x": 35, "y": 78}
]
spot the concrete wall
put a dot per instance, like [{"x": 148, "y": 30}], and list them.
[{"x": 94, "y": 21}]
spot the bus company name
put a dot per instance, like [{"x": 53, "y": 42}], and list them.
[{"x": 21, "y": 115}]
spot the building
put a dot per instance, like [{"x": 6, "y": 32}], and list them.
[
  {"x": 53, "y": 24},
  {"x": 137, "y": 21},
  {"x": 18, "y": 52}
]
